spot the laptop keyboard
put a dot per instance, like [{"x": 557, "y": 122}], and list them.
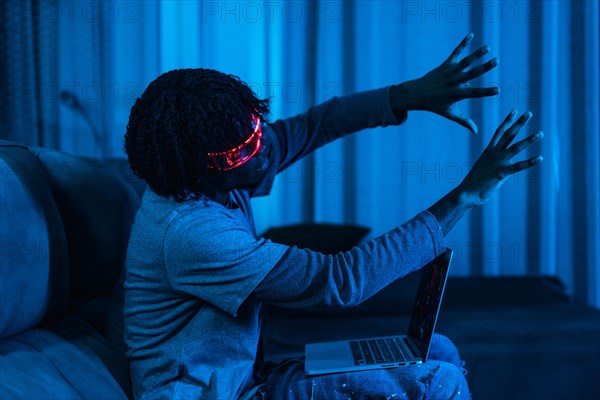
[{"x": 378, "y": 351}]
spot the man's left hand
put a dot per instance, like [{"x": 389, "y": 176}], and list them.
[{"x": 440, "y": 89}]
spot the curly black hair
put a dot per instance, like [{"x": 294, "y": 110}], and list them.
[{"x": 182, "y": 115}]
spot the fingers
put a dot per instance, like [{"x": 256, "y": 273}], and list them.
[
  {"x": 507, "y": 135},
  {"x": 473, "y": 93},
  {"x": 511, "y": 132},
  {"x": 503, "y": 126},
  {"x": 518, "y": 167},
  {"x": 459, "y": 49},
  {"x": 477, "y": 71},
  {"x": 470, "y": 59},
  {"x": 458, "y": 117},
  {"x": 523, "y": 144}
]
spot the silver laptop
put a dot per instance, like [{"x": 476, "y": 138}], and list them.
[{"x": 388, "y": 351}]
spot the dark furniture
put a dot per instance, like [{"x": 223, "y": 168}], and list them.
[{"x": 65, "y": 223}]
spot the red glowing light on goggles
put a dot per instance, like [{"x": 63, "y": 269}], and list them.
[{"x": 230, "y": 159}]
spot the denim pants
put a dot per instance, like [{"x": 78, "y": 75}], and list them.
[{"x": 441, "y": 377}]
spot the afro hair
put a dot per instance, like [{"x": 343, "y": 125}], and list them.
[{"x": 181, "y": 116}]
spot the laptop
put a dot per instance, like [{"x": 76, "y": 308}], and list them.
[{"x": 388, "y": 351}]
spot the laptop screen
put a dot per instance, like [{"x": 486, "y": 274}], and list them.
[{"x": 429, "y": 298}]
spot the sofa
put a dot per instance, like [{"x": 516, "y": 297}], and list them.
[{"x": 65, "y": 223}]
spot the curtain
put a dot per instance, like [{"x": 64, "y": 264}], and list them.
[
  {"x": 56, "y": 75},
  {"x": 301, "y": 53}
]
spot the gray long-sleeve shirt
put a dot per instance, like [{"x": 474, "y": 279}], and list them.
[{"x": 197, "y": 273}]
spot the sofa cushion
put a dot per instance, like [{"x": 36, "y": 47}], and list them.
[
  {"x": 98, "y": 325},
  {"x": 97, "y": 206},
  {"x": 34, "y": 266},
  {"x": 537, "y": 351},
  {"x": 41, "y": 364}
]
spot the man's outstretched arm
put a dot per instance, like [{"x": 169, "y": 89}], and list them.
[
  {"x": 438, "y": 91},
  {"x": 303, "y": 278},
  {"x": 302, "y": 134}
]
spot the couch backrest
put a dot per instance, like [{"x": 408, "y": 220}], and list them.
[
  {"x": 34, "y": 263},
  {"x": 97, "y": 207},
  {"x": 79, "y": 210}
]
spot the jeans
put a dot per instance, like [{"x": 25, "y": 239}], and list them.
[{"x": 441, "y": 377}]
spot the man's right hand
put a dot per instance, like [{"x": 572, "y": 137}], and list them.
[
  {"x": 489, "y": 172},
  {"x": 494, "y": 165}
]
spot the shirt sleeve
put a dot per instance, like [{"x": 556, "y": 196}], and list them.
[
  {"x": 216, "y": 259},
  {"x": 303, "y": 278},
  {"x": 339, "y": 116}
]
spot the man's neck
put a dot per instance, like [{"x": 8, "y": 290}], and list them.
[{"x": 221, "y": 198}]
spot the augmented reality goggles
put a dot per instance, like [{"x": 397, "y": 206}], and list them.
[{"x": 230, "y": 159}]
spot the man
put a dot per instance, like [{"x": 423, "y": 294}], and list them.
[{"x": 196, "y": 272}]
